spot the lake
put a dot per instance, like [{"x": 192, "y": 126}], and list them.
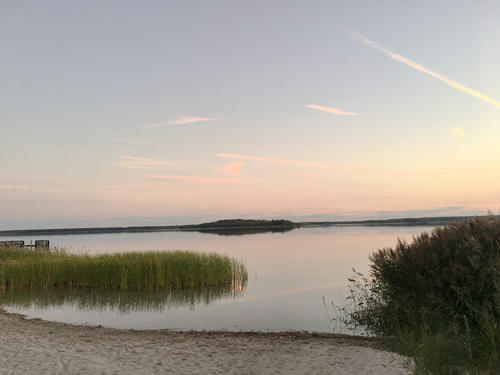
[{"x": 294, "y": 277}]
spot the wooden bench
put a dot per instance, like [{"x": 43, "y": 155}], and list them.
[
  {"x": 39, "y": 244},
  {"x": 11, "y": 244}
]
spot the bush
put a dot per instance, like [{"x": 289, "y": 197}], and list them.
[
  {"x": 451, "y": 274},
  {"x": 442, "y": 288}
]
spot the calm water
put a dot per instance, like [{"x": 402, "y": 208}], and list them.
[{"x": 289, "y": 275}]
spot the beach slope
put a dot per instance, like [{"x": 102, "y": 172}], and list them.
[{"x": 32, "y": 346}]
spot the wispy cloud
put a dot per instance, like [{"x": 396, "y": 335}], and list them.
[
  {"x": 135, "y": 162},
  {"x": 234, "y": 168},
  {"x": 423, "y": 69},
  {"x": 13, "y": 187},
  {"x": 181, "y": 120},
  {"x": 204, "y": 180},
  {"x": 152, "y": 125},
  {"x": 458, "y": 133},
  {"x": 189, "y": 120},
  {"x": 331, "y": 110},
  {"x": 134, "y": 158},
  {"x": 131, "y": 141},
  {"x": 301, "y": 163},
  {"x": 271, "y": 160}
]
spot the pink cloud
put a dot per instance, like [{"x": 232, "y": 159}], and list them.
[
  {"x": 331, "y": 110},
  {"x": 13, "y": 187},
  {"x": 271, "y": 160},
  {"x": 181, "y": 120},
  {"x": 205, "y": 180},
  {"x": 135, "y": 162},
  {"x": 189, "y": 120},
  {"x": 131, "y": 141},
  {"x": 234, "y": 168},
  {"x": 133, "y": 158}
]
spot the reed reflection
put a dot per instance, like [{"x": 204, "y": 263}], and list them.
[{"x": 121, "y": 301}]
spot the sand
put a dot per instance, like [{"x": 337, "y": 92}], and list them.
[{"x": 33, "y": 346}]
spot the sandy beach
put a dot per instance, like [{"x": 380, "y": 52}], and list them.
[{"x": 33, "y": 346}]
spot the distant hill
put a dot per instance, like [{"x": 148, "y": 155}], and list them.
[{"x": 242, "y": 223}]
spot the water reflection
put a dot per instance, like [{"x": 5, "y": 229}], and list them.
[
  {"x": 243, "y": 231},
  {"x": 289, "y": 275},
  {"x": 120, "y": 301}
]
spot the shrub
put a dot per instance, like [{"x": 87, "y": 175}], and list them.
[
  {"x": 448, "y": 275},
  {"x": 440, "y": 290}
]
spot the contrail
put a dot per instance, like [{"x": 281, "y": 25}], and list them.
[{"x": 423, "y": 69}]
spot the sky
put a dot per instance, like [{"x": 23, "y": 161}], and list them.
[{"x": 173, "y": 111}]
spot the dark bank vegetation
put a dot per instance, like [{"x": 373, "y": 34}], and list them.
[
  {"x": 242, "y": 223},
  {"x": 437, "y": 299},
  {"x": 149, "y": 271},
  {"x": 237, "y": 226},
  {"x": 243, "y": 231},
  {"x": 404, "y": 222}
]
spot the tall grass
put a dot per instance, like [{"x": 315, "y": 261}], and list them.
[
  {"x": 437, "y": 299},
  {"x": 25, "y": 269}
]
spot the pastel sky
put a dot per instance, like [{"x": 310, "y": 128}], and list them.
[{"x": 225, "y": 109}]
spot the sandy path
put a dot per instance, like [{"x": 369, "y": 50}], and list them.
[{"x": 39, "y": 347}]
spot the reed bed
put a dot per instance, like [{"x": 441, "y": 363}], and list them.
[{"x": 150, "y": 271}]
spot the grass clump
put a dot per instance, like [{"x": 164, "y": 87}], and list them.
[
  {"x": 25, "y": 269},
  {"x": 437, "y": 299}
]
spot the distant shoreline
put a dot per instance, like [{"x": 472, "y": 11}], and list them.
[{"x": 238, "y": 226}]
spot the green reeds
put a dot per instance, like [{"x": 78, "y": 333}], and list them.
[{"x": 25, "y": 269}]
